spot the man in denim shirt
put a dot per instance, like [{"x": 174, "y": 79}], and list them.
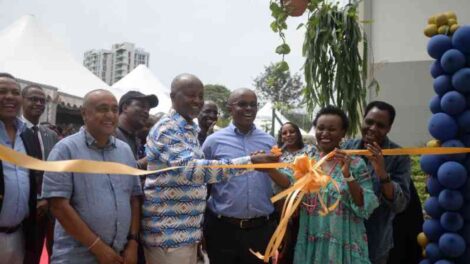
[
  {"x": 391, "y": 178},
  {"x": 98, "y": 215}
]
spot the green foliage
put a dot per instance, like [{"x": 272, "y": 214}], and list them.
[
  {"x": 219, "y": 94},
  {"x": 419, "y": 179},
  {"x": 278, "y": 86},
  {"x": 335, "y": 72}
]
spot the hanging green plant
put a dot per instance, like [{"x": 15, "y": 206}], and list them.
[{"x": 335, "y": 72}]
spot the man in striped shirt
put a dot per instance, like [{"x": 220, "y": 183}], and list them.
[{"x": 175, "y": 200}]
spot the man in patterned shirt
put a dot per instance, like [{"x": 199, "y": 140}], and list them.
[{"x": 175, "y": 200}]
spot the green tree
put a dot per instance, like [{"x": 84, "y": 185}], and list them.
[
  {"x": 277, "y": 85},
  {"x": 219, "y": 94}
]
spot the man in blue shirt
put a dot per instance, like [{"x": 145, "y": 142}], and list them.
[
  {"x": 98, "y": 215},
  {"x": 17, "y": 192},
  {"x": 240, "y": 214},
  {"x": 390, "y": 174}
]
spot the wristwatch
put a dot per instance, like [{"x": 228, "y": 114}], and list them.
[
  {"x": 386, "y": 180},
  {"x": 133, "y": 237}
]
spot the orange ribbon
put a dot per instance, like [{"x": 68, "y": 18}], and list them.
[{"x": 309, "y": 177}]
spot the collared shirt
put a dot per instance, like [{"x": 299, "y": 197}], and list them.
[
  {"x": 175, "y": 200},
  {"x": 101, "y": 200},
  {"x": 15, "y": 206},
  {"x": 30, "y": 126},
  {"x": 379, "y": 226},
  {"x": 249, "y": 195}
]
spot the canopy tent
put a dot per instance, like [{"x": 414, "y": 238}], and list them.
[
  {"x": 264, "y": 119},
  {"x": 143, "y": 80},
  {"x": 30, "y": 52}
]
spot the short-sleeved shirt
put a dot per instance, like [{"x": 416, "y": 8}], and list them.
[
  {"x": 101, "y": 200},
  {"x": 246, "y": 196}
]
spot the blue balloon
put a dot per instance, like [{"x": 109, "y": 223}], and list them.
[
  {"x": 433, "y": 186},
  {"x": 430, "y": 163},
  {"x": 451, "y": 221},
  {"x": 433, "y": 229},
  {"x": 461, "y": 39},
  {"x": 452, "y": 245},
  {"x": 435, "y": 104},
  {"x": 442, "y": 84},
  {"x": 453, "y": 103},
  {"x": 442, "y": 127},
  {"x": 460, "y": 81},
  {"x": 444, "y": 261},
  {"x": 436, "y": 69},
  {"x": 452, "y": 175},
  {"x": 437, "y": 45},
  {"x": 452, "y": 60},
  {"x": 433, "y": 252},
  {"x": 432, "y": 207},
  {"x": 454, "y": 143},
  {"x": 464, "y": 121},
  {"x": 450, "y": 200}
]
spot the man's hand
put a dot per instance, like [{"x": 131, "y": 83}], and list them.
[
  {"x": 130, "y": 252},
  {"x": 41, "y": 208},
  {"x": 261, "y": 157},
  {"x": 105, "y": 254},
  {"x": 377, "y": 160}
]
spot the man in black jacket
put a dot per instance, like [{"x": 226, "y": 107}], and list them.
[{"x": 17, "y": 192}]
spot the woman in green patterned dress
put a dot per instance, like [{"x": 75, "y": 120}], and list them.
[{"x": 338, "y": 237}]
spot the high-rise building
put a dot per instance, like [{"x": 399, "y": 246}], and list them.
[{"x": 111, "y": 65}]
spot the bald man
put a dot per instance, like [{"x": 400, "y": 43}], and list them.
[
  {"x": 98, "y": 215},
  {"x": 175, "y": 200},
  {"x": 240, "y": 213}
]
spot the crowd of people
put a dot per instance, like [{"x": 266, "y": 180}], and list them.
[{"x": 172, "y": 216}]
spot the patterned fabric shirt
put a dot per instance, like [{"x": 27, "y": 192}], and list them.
[{"x": 175, "y": 200}]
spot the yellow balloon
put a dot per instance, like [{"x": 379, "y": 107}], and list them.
[
  {"x": 441, "y": 20},
  {"x": 422, "y": 239},
  {"x": 451, "y": 14},
  {"x": 430, "y": 30},
  {"x": 434, "y": 143},
  {"x": 454, "y": 28},
  {"x": 443, "y": 30}
]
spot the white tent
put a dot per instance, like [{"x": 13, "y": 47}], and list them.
[
  {"x": 264, "y": 119},
  {"x": 30, "y": 52},
  {"x": 143, "y": 80}
]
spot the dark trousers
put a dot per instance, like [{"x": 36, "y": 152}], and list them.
[
  {"x": 44, "y": 230},
  {"x": 227, "y": 243}
]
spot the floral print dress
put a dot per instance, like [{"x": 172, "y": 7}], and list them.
[{"x": 340, "y": 236}]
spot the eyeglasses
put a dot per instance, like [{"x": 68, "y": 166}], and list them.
[
  {"x": 243, "y": 104},
  {"x": 35, "y": 99}
]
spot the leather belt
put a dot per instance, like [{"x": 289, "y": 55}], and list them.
[
  {"x": 9, "y": 230},
  {"x": 246, "y": 223}
]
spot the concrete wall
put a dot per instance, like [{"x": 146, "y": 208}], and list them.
[
  {"x": 408, "y": 87},
  {"x": 400, "y": 62}
]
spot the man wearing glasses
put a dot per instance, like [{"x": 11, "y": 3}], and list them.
[
  {"x": 240, "y": 214},
  {"x": 34, "y": 103}
]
